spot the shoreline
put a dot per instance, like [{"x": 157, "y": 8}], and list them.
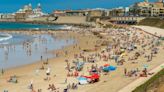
[
  {"x": 31, "y": 67},
  {"x": 49, "y": 52},
  {"x": 51, "y": 23}
]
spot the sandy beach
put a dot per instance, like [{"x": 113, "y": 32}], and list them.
[
  {"x": 152, "y": 30},
  {"x": 86, "y": 40}
]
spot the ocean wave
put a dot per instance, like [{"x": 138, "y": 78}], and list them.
[
  {"x": 4, "y": 37},
  {"x": 66, "y": 27}
]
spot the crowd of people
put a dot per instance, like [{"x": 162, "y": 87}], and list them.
[{"x": 126, "y": 45}]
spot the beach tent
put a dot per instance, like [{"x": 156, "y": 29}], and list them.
[
  {"x": 93, "y": 76},
  {"x": 82, "y": 80},
  {"x": 106, "y": 65},
  {"x": 109, "y": 68}
]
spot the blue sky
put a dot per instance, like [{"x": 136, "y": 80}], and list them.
[{"x": 50, "y": 5}]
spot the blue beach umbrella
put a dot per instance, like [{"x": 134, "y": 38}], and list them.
[{"x": 112, "y": 68}]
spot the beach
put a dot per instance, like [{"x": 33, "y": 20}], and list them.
[
  {"x": 57, "y": 63},
  {"x": 152, "y": 30},
  {"x": 88, "y": 45}
]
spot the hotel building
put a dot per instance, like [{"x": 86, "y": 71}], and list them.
[{"x": 148, "y": 9}]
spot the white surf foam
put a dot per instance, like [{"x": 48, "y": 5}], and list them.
[{"x": 5, "y": 37}]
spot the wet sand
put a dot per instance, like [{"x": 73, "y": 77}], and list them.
[{"x": 27, "y": 72}]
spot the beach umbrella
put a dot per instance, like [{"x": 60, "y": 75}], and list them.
[
  {"x": 112, "y": 68},
  {"x": 105, "y": 65},
  {"x": 82, "y": 80},
  {"x": 105, "y": 69},
  {"x": 109, "y": 68},
  {"x": 95, "y": 76}
]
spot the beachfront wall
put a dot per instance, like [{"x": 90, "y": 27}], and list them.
[
  {"x": 96, "y": 13},
  {"x": 71, "y": 19},
  {"x": 39, "y": 19},
  {"x": 60, "y": 19}
]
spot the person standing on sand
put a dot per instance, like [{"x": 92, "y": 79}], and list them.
[
  {"x": 41, "y": 58},
  {"x": 66, "y": 81},
  {"x": 5, "y": 90},
  {"x": 2, "y": 71},
  {"x": 48, "y": 73},
  {"x": 125, "y": 71},
  {"x": 66, "y": 53},
  {"x": 31, "y": 85}
]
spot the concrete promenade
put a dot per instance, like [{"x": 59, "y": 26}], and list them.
[{"x": 152, "y": 30}]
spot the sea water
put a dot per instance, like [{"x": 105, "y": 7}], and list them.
[
  {"x": 16, "y": 25},
  {"x": 13, "y": 53}
]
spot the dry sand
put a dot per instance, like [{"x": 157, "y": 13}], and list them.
[
  {"x": 139, "y": 81},
  {"x": 108, "y": 83},
  {"x": 152, "y": 30}
]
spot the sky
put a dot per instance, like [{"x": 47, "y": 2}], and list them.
[{"x": 10, "y": 6}]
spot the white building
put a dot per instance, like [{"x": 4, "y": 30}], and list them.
[
  {"x": 30, "y": 12},
  {"x": 37, "y": 12},
  {"x": 7, "y": 16}
]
